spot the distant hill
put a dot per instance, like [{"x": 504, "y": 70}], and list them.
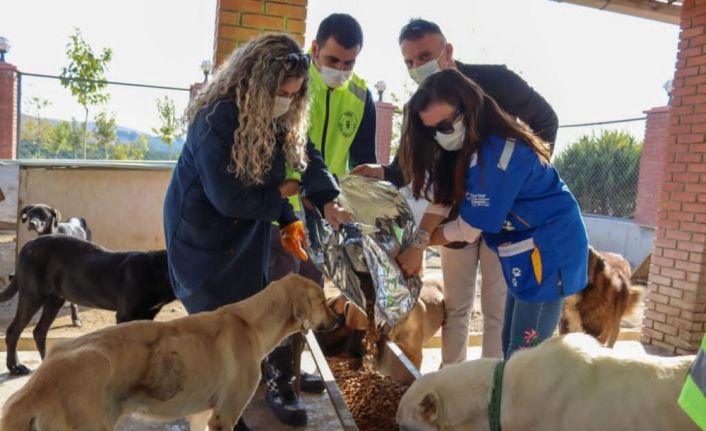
[{"x": 157, "y": 150}]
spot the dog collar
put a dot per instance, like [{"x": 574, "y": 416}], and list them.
[{"x": 496, "y": 397}]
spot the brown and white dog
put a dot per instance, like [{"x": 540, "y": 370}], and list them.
[
  {"x": 608, "y": 298},
  {"x": 190, "y": 366},
  {"x": 410, "y": 334},
  {"x": 565, "y": 383}
]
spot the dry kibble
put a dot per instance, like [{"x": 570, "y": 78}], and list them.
[{"x": 371, "y": 397}]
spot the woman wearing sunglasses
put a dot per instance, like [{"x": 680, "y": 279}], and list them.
[
  {"x": 459, "y": 148},
  {"x": 229, "y": 183}
]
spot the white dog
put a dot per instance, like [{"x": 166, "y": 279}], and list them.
[{"x": 565, "y": 383}]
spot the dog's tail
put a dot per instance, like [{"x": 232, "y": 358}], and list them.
[{"x": 10, "y": 290}]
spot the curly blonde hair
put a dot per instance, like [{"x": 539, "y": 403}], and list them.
[{"x": 252, "y": 75}]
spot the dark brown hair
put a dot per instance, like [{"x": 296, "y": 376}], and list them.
[{"x": 426, "y": 164}]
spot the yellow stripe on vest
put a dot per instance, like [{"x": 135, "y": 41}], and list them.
[{"x": 537, "y": 265}]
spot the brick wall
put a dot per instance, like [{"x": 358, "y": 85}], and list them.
[
  {"x": 652, "y": 166},
  {"x": 237, "y": 21},
  {"x": 676, "y": 306},
  {"x": 383, "y": 132},
  {"x": 8, "y": 111}
]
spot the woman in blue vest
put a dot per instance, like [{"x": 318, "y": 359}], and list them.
[
  {"x": 461, "y": 146},
  {"x": 229, "y": 185}
]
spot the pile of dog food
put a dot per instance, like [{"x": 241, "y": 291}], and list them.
[{"x": 371, "y": 397}]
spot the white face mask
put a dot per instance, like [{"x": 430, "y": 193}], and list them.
[
  {"x": 281, "y": 106},
  {"x": 419, "y": 74},
  {"x": 452, "y": 141},
  {"x": 334, "y": 78}
]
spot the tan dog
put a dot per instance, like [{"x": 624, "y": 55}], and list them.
[
  {"x": 166, "y": 370},
  {"x": 410, "y": 334},
  {"x": 601, "y": 306},
  {"x": 565, "y": 383}
]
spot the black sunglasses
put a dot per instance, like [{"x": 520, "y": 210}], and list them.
[
  {"x": 293, "y": 61},
  {"x": 446, "y": 127}
]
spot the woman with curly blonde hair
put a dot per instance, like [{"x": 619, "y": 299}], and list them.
[{"x": 229, "y": 184}]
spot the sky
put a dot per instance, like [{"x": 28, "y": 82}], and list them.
[{"x": 590, "y": 65}]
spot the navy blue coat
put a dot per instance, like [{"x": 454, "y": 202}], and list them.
[{"x": 217, "y": 228}]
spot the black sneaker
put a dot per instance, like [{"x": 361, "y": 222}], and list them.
[
  {"x": 311, "y": 383},
  {"x": 287, "y": 407}
]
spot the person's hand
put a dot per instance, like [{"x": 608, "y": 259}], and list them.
[
  {"x": 369, "y": 170},
  {"x": 335, "y": 214},
  {"x": 294, "y": 239},
  {"x": 289, "y": 188},
  {"x": 410, "y": 260}
]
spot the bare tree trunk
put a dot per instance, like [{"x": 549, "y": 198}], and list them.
[{"x": 85, "y": 132}]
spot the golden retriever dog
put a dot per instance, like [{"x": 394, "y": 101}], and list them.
[
  {"x": 568, "y": 382},
  {"x": 608, "y": 298},
  {"x": 194, "y": 365},
  {"x": 410, "y": 333}
]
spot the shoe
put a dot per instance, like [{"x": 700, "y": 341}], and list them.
[
  {"x": 287, "y": 407},
  {"x": 241, "y": 425},
  {"x": 311, "y": 383}
]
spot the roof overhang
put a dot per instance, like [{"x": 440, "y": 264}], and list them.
[{"x": 668, "y": 11}]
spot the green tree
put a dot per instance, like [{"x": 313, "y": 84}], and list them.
[
  {"x": 84, "y": 76},
  {"x": 105, "y": 133},
  {"x": 169, "y": 129},
  {"x": 602, "y": 172},
  {"x": 59, "y": 140},
  {"x": 135, "y": 150}
]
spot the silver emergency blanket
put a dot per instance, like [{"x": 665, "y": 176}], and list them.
[{"x": 362, "y": 253}]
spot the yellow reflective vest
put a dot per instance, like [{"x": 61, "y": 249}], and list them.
[
  {"x": 693, "y": 396},
  {"x": 334, "y": 117}
]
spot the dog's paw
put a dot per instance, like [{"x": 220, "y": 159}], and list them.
[
  {"x": 77, "y": 323},
  {"x": 19, "y": 370}
]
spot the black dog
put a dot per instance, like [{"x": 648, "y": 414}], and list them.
[
  {"x": 54, "y": 268},
  {"x": 46, "y": 220}
]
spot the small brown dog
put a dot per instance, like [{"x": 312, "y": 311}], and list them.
[
  {"x": 609, "y": 297},
  {"x": 185, "y": 367},
  {"x": 410, "y": 334}
]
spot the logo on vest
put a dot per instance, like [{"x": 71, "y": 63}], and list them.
[
  {"x": 478, "y": 199},
  {"x": 347, "y": 124}
]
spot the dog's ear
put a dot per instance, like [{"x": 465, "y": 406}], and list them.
[
  {"x": 24, "y": 214},
  {"x": 57, "y": 217},
  {"x": 429, "y": 407}
]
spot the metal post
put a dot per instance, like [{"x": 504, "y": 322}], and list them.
[{"x": 19, "y": 112}]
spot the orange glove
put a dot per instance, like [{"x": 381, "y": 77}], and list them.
[{"x": 294, "y": 239}]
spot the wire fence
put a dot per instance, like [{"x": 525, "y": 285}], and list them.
[
  {"x": 600, "y": 163},
  {"x": 599, "y": 160},
  {"x": 53, "y": 125}
]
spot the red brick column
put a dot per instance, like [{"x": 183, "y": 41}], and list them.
[
  {"x": 654, "y": 151},
  {"x": 383, "y": 118},
  {"x": 676, "y": 307},
  {"x": 8, "y": 111},
  {"x": 237, "y": 21}
]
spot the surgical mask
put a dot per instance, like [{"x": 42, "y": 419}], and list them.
[
  {"x": 419, "y": 74},
  {"x": 452, "y": 141},
  {"x": 334, "y": 78},
  {"x": 281, "y": 106}
]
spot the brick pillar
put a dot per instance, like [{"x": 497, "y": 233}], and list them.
[
  {"x": 654, "y": 150},
  {"x": 676, "y": 307},
  {"x": 383, "y": 118},
  {"x": 8, "y": 111},
  {"x": 237, "y": 21},
  {"x": 195, "y": 88}
]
